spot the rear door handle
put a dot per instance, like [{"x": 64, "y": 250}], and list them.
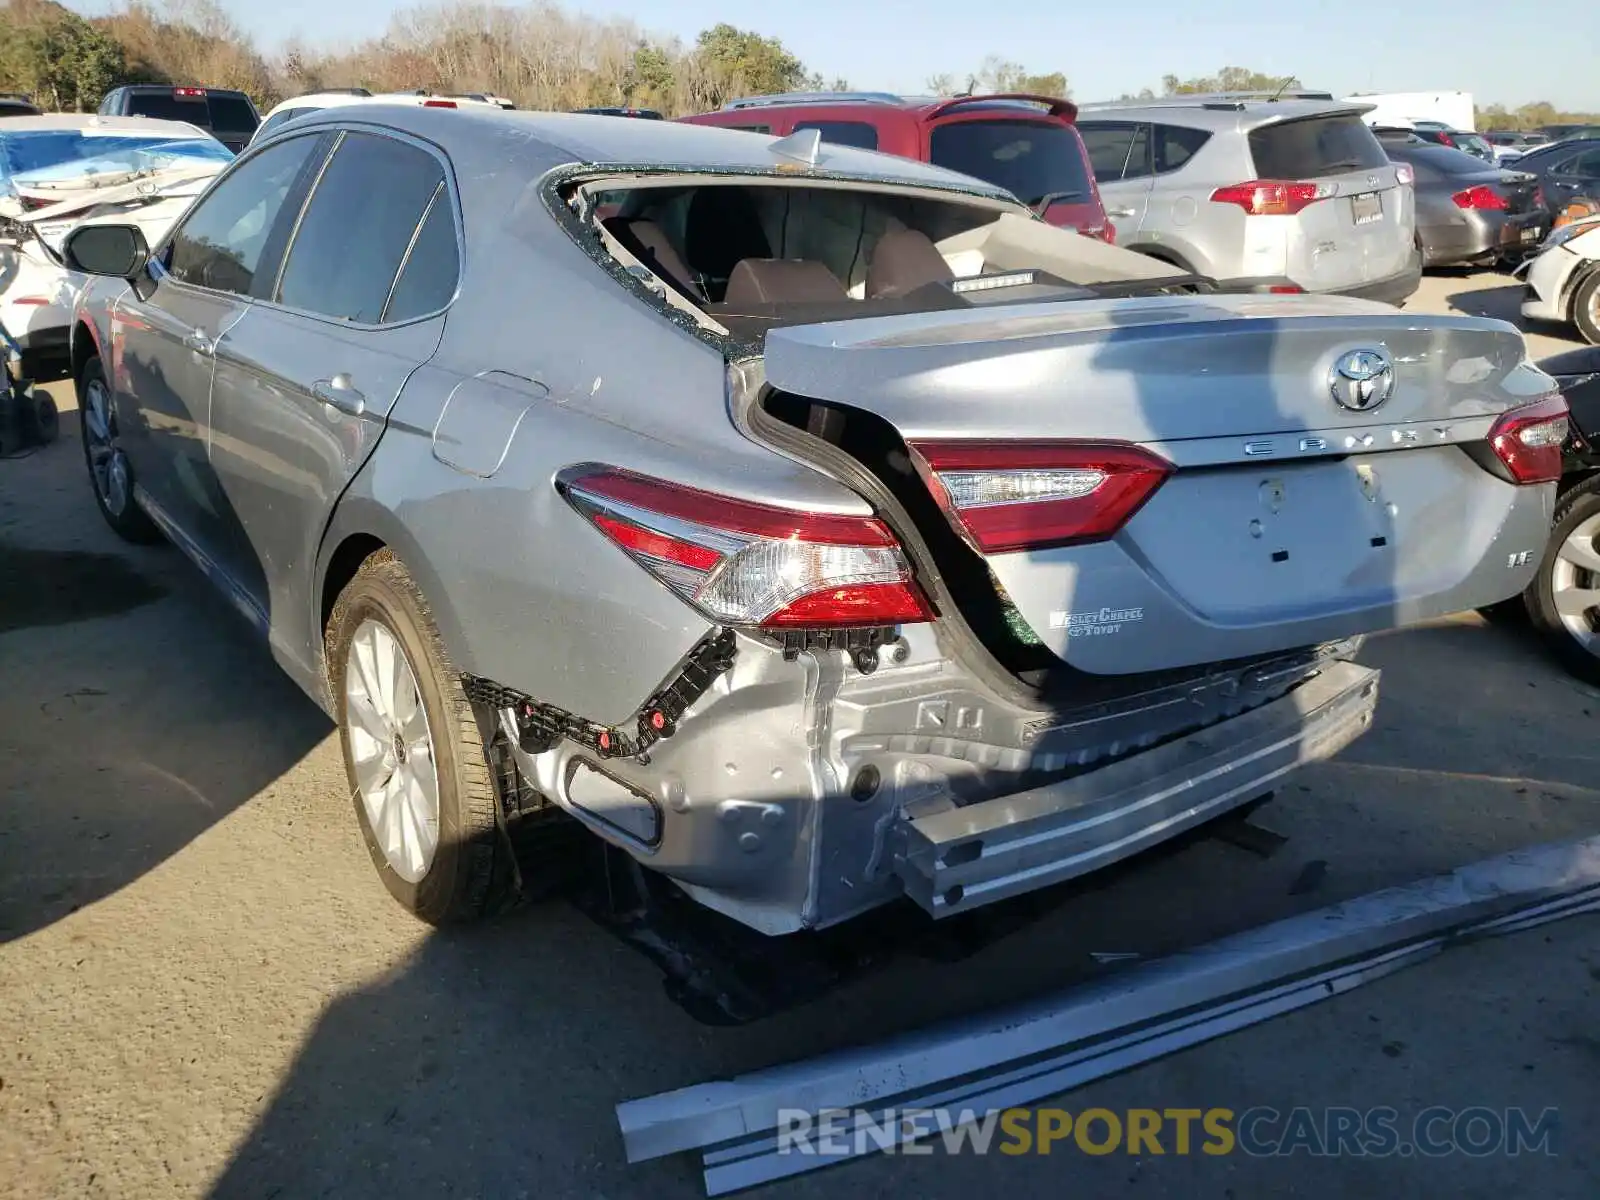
[
  {"x": 197, "y": 341},
  {"x": 1119, "y": 212},
  {"x": 341, "y": 394}
]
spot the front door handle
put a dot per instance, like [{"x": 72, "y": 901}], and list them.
[
  {"x": 341, "y": 394},
  {"x": 197, "y": 341},
  {"x": 1119, "y": 212}
]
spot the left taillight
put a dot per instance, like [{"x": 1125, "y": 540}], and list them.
[
  {"x": 1481, "y": 196},
  {"x": 1030, "y": 496},
  {"x": 746, "y": 564},
  {"x": 1528, "y": 440}
]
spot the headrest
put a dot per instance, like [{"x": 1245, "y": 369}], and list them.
[
  {"x": 782, "y": 281},
  {"x": 903, "y": 261}
]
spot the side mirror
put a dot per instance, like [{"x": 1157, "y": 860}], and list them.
[{"x": 117, "y": 251}]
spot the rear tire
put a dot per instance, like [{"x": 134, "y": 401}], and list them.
[
  {"x": 448, "y": 861},
  {"x": 1569, "y": 575},
  {"x": 110, "y": 474},
  {"x": 1586, "y": 308}
]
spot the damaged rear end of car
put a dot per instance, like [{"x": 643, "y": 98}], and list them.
[{"x": 1118, "y": 537}]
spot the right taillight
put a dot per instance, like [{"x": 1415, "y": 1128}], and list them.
[
  {"x": 747, "y": 564},
  {"x": 1272, "y": 197},
  {"x": 1029, "y": 496},
  {"x": 1528, "y": 440}
]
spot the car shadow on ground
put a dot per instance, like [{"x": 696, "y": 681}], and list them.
[{"x": 123, "y": 654}]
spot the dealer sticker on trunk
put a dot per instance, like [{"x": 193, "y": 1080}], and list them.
[{"x": 1097, "y": 623}]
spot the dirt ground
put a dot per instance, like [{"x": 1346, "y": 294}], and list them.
[{"x": 204, "y": 990}]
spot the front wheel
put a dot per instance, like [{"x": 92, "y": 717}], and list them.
[
  {"x": 1586, "y": 308},
  {"x": 1563, "y": 600},
  {"x": 413, "y": 751},
  {"x": 110, "y": 473}
]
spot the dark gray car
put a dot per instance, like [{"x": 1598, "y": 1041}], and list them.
[
  {"x": 820, "y": 527},
  {"x": 1467, "y": 210}
]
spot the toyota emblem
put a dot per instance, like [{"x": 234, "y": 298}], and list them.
[{"x": 1361, "y": 380}]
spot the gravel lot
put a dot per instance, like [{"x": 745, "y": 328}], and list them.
[{"x": 205, "y": 991}]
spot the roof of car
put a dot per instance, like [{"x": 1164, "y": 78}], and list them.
[
  {"x": 1219, "y": 114},
  {"x": 582, "y": 138},
  {"x": 131, "y": 126}
]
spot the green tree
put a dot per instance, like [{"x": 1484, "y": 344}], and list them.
[
  {"x": 996, "y": 74},
  {"x": 61, "y": 59},
  {"x": 736, "y": 60},
  {"x": 1229, "y": 79}
]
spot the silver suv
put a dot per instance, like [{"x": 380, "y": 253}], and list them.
[{"x": 1258, "y": 189}]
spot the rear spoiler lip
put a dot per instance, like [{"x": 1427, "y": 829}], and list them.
[
  {"x": 1055, "y": 106},
  {"x": 1256, "y": 118}
]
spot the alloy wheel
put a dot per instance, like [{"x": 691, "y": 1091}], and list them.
[
  {"x": 1575, "y": 584},
  {"x": 107, "y": 463},
  {"x": 391, "y": 750}
]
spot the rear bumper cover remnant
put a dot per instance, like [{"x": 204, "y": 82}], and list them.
[{"x": 980, "y": 853}]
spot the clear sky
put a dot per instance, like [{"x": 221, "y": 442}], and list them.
[{"x": 1497, "y": 50}]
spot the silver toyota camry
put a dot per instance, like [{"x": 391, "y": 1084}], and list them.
[{"x": 817, "y": 526}]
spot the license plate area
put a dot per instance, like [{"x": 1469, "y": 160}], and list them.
[{"x": 1366, "y": 208}]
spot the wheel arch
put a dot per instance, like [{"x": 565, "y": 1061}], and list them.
[
  {"x": 83, "y": 344},
  {"x": 1575, "y": 279},
  {"x": 360, "y": 528},
  {"x": 1166, "y": 254}
]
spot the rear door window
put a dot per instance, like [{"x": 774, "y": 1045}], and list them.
[
  {"x": 1585, "y": 165},
  {"x": 358, "y": 228},
  {"x": 1030, "y": 159},
  {"x": 1108, "y": 143},
  {"x": 1315, "y": 147},
  {"x": 428, "y": 279},
  {"x": 844, "y": 133},
  {"x": 1176, "y": 145}
]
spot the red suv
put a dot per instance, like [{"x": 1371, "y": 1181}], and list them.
[{"x": 1026, "y": 144}]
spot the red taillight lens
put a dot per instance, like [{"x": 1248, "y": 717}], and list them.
[
  {"x": 746, "y": 564},
  {"x": 1481, "y": 196},
  {"x": 1528, "y": 440},
  {"x": 1006, "y": 496},
  {"x": 439, "y": 104},
  {"x": 1446, "y": 140},
  {"x": 1271, "y": 197},
  {"x": 188, "y": 92},
  {"x": 1404, "y": 175},
  {"x": 1538, "y": 197}
]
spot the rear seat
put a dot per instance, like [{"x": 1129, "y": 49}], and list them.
[{"x": 782, "y": 281}]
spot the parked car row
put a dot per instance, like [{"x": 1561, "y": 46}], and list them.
[{"x": 1294, "y": 193}]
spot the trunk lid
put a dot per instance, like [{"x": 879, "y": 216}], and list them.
[{"x": 1289, "y": 519}]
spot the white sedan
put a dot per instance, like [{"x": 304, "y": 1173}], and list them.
[
  {"x": 58, "y": 170},
  {"x": 1564, "y": 279}
]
